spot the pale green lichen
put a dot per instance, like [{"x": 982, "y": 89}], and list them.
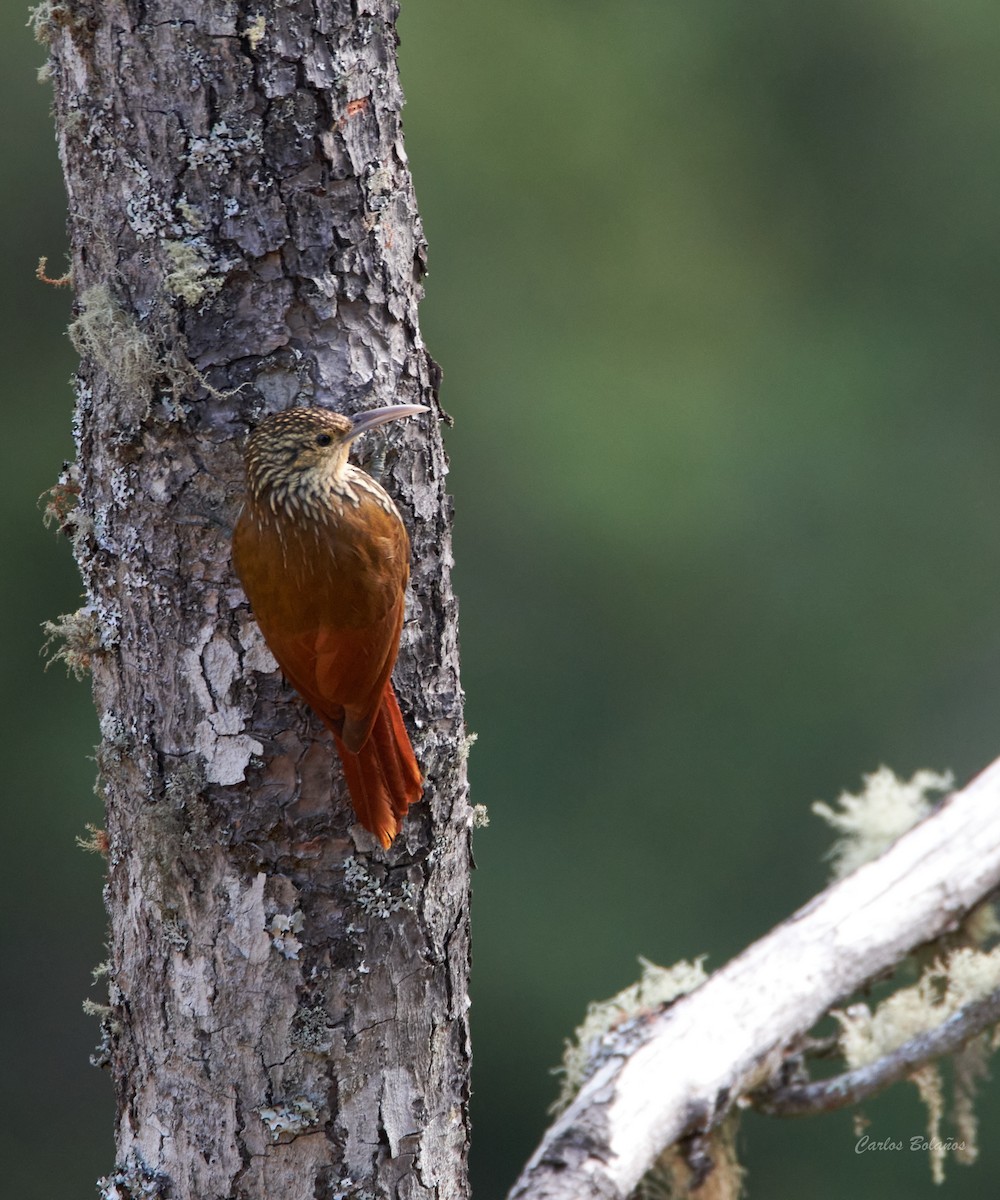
[
  {"x": 185, "y": 784},
  {"x": 656, "y": 987},
  {"x": 292, "y": 1117},
  {"x": 222, "y": 146},
  {"x": 282, "y": 929},
  {"x": 191, "y": 279},
  {"x": 175, "y": 932},
  {"x": 46, "y": 19},
  {"x": 254, "y": 31},
  {"x": 190, "y": 215},
  {"x": 348, "y": 1189},
  {"x": 60, "y": 506},
  {"x": 73, "y": 639},
  {"x": 944, "y": 989},
  {"x": 95, "y": 841},
  {"x": 930, "y": 1088},
  {"x": 60, "y": 503},
  {"x": 312, "y": 1029},
  {"x": 184, "y": 792},
  {"x": 110, "y": 1025},
  {"x": 971, "y": 1065},
  {"x": 870, "y": 822},
  {"x": 42, "y": 21},
  {"x": 117, "y": 740},
  {"x": 134, "y": 1180},
  {"x": 372, "y": 897},
  {"x": 177, "y": 823},
  {"x": 104, "y": 333}
]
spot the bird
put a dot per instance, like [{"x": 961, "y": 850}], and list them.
[{"x": 324, "y": 558}]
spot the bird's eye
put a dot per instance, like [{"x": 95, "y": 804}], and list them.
[{"x": 323, "y": 439}]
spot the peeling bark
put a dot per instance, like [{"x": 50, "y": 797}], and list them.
[{"x": 288, "y": 1003}]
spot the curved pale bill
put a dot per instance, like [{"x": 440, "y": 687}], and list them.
[{"x": 362, "y": 422}]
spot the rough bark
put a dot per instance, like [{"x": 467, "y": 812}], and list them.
[
  {"x": 680, "y": 1071},
  {"x": 287, "y": 1002}
]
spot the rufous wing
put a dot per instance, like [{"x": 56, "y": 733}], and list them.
[
  {"x": 341, "y": 673},
  {"x": 335, "y": 635}
]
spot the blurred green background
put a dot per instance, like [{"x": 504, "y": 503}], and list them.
[{"x": 715, "y": 288}]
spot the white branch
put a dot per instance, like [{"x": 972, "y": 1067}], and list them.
[{"x": 688, "y": 1064}]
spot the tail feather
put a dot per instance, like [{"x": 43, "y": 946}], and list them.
[{"x": 383, "y": 777}]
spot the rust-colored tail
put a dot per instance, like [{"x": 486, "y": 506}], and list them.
[{"x": 383, "y": 777}]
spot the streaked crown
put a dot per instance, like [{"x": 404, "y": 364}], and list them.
[{"x": 289, "y": 450}]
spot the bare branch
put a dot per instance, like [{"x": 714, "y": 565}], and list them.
[
  {"x": 851, "y": 1087},
  {"x": 686, "y": 1067}
]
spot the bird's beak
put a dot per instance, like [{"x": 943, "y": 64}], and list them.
[{"x": 362, "y": 422}]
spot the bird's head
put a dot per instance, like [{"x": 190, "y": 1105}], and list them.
[{"x": 302, "y": 449}]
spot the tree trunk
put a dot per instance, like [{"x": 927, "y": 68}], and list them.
[{"x": 287, "y": 1003}]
